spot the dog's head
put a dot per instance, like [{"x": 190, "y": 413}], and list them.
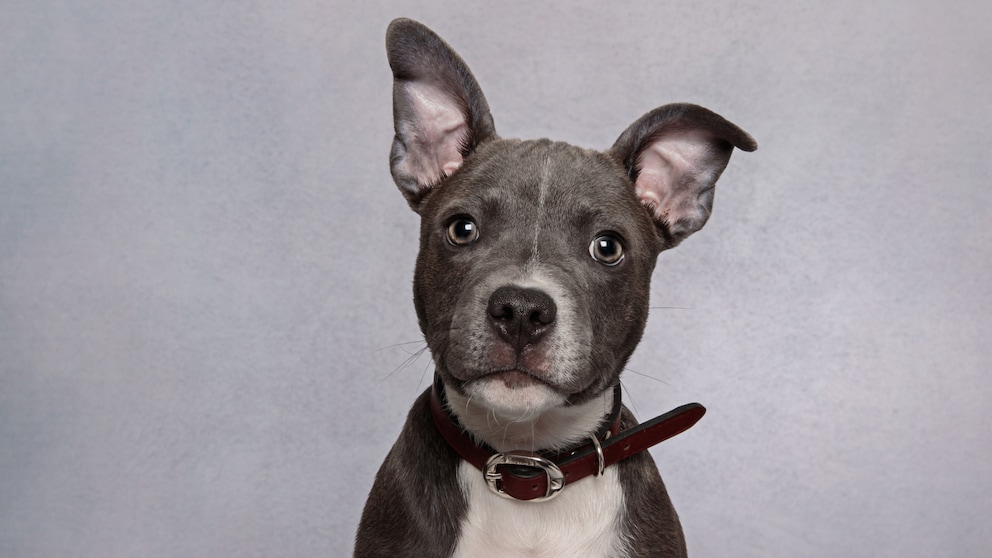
[{"x": 535, "y": 261}]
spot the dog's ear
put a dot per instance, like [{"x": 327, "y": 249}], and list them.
[
  {"x": 439, "y": 112},
  {"x": 675, "y": 154}
]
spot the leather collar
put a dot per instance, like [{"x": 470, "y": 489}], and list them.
[{"x": 523, "y": 475}]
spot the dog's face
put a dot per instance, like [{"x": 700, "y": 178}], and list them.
[
  {"x": 535, "y": 260},
  {"x": 533, "y": 274}
]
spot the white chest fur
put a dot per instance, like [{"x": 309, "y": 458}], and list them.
[{"x": 583, "y": 520}]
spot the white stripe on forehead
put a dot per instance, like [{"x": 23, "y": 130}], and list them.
[{"x": 542, "y": 191}]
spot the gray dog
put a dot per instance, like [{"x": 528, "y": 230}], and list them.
[{"x": 531, "y": 288}]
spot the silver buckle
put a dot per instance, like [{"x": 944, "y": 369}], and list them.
[{"x": 556, "y": 479}]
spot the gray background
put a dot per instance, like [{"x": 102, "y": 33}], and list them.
[{"x": 207, "y": 342}]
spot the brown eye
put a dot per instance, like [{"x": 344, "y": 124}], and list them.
[
  {"x": 463, "y": 231},
  {"x": 606, "y": 249}
]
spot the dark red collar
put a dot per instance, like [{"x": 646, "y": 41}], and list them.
[{"x": 523, "y": 475}]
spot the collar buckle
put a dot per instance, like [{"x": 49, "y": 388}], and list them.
[{"x": 555, "y": 476}]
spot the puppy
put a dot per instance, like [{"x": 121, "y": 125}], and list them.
[{"x": 531, "y": 288}]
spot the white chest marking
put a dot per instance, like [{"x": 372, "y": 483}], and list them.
[{"x": 583, "y": 520}]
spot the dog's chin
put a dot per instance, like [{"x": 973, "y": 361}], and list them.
[{"x": 514, "y": 393}]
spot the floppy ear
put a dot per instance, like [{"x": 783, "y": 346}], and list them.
[
  {"x": 675, "y": 154},
  {"x": 439, "y": 112}
]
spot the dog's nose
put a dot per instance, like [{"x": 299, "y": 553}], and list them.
[{"x": 521, "y": 316}]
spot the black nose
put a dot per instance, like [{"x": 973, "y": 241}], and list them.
[{"x": 521, "y": 316}]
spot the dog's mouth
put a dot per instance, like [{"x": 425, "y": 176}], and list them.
[
  {"x": 515, "y": 379},
  {"x": 512, "y": 392},
  {"x": 510, "y": 381}
]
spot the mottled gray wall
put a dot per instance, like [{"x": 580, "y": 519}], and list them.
[{"x": 207, "y": 343}]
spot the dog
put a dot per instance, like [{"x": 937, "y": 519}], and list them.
[{"x": 531, "y": 289}]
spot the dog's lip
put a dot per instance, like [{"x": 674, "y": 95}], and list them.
[{"x": 515, "y": 378}]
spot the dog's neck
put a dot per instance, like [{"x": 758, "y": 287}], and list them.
[{"x": 552, "y": 430}]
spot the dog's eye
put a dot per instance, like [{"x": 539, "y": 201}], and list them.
[
  {"x": 463, "y": 231},
  {"x": 606, "y": 249}
]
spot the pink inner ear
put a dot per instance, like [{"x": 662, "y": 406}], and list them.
[
  {"x": 653, "y": 186},
  {"x": 434, "y": 133},
  {"x": 675, "y": 174}
]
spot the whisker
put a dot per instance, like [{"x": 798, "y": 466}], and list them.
[
  {"x": 403, "y": 344},
  {"x": 426, "y": 368},
  {"x": 632, "y": 404},
  {"x": 409, "y": 360},
  {"x": 648, "y": 376}
]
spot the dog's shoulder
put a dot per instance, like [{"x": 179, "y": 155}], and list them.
[
  {"x": 651, "y": 526},
  {"x": 415, "y": 506}
]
